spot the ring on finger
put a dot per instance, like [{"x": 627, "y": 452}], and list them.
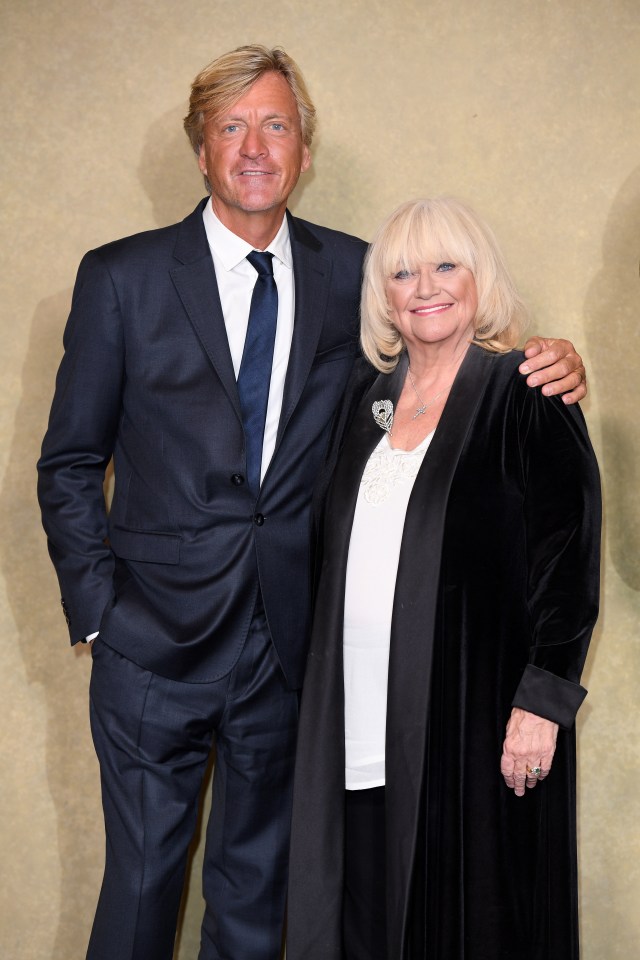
[{"x": 534, "y": 772}]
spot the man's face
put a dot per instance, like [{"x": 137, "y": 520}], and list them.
[{"x": 253, "y": 153}]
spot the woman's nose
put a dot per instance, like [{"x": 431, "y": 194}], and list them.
[{"x": 427, "y": 284}]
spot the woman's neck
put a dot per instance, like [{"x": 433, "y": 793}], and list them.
[
  {"x": 433, "y": 362},
  {"x": 424, "y": 394}
]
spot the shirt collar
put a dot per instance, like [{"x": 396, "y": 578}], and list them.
[{"x": 232, "y": 249}]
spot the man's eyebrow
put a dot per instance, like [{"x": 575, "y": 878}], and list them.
[{"x": 231, "y": 117}]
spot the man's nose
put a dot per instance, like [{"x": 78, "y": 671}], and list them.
[{"x": 254, "y": 144}]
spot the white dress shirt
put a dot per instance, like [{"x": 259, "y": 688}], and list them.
[{"x": 236, "y": 280}]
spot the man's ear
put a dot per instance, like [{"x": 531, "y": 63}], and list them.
[
  {"x": 306, "y": 159},
  {"x": 202, "y": 160}
]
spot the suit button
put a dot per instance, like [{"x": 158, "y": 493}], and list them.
[
  {"x": 258, "y": 519},
  {"x": 65, "y": 611},
  {"x": 237, "y": 479}
]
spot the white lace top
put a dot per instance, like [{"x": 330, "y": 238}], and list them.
[{"x": 372, "y": 567}]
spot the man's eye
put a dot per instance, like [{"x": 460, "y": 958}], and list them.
[
  {"x": 277, "y": 126},
  {"x": 230, "y": 128},
  {"x": 445, "y": 266}
]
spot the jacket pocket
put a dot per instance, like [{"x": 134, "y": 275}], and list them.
[
  {"x": 145, "y": 547},
  {"x": 343, "y": 351}
]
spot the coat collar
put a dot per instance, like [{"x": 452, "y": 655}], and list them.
[
  {"x": 413, "y": 623},
  {"x": 419, "y": 563},
  {"x": 360, "y": 441}
]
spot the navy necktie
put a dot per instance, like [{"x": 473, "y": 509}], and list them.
[{"x": 257, "y": 357}]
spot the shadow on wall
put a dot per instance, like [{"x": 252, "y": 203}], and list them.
[
  {"x": 62, "y": 673},
  {"x": 169, "y": 174},
  {"x": 168, "y": 170},
  {"x": 612, "y": 311}
]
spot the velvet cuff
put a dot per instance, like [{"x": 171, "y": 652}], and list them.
[{"x": 549, "y": 696}]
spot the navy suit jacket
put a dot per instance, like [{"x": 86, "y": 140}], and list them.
[{"x": 170, "y": 576}]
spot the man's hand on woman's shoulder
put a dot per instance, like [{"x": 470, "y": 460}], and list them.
[{"x": 555, "y": 365}]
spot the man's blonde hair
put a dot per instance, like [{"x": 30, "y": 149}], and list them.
[
  {"x": 436, "y": 231},
  {"x": 228, "y": 78}
]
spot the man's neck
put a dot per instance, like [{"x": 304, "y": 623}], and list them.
[{"x": 257, "y": 228}]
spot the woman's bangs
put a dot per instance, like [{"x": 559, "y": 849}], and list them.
[{"x": 425, "y": 238}]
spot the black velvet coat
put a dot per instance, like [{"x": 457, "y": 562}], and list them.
[{"x": 496, "y": 598}]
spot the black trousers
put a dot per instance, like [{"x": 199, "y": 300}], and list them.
[
  {"x": 153, "y": 737},
  {"x": 364, "y": 917}
]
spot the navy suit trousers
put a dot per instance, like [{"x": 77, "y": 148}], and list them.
[{"x": 153, "y": 737}]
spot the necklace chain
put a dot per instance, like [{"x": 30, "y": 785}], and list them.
[{"x": 424, "y": 406}]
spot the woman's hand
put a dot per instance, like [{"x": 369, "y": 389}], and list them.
[
  {"x": 529, "y": 744},
  {"x": 557, "y": 364}
]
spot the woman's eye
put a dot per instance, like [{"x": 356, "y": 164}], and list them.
[
  {"x": 445, "y": 266},
  {"x": 402, "y": 275}
]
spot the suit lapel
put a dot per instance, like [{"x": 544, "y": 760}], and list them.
[
  {"x": 312, "y": 278},
  {"x": 195, "y": 281}
]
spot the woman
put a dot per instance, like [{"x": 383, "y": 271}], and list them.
[{"x": 457, "y": 595}]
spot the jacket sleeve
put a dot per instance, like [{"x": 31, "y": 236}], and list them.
[
  {"x": 563, "y": 518},
  {"x": 78, "y": 446}
]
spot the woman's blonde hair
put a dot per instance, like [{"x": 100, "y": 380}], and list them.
[
  {"x": 435, "y": 231},
  {"x": 228, "y": 78}
]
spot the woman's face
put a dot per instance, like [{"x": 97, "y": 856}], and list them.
[{"x": 434, "y": 304}]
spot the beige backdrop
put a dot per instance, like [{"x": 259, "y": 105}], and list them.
[{"x": 529, "y": 110}]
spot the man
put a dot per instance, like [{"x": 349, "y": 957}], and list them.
[{"x": 212, "y": 380}]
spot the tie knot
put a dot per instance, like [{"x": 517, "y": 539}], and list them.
[{"x": 262, "y": 262}]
